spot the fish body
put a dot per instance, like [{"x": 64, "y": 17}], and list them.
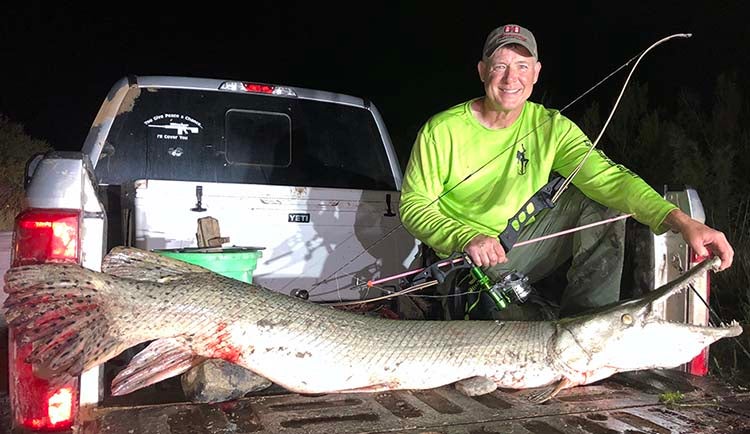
[{"x": 78, "y": 318}]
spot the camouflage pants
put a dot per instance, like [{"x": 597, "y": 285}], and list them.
[{"x": 596, "y": 255}]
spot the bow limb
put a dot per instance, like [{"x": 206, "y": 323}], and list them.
[{"x": 612, "y": 112}]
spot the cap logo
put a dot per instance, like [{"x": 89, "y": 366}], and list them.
[{"x": 509, "y": 34}]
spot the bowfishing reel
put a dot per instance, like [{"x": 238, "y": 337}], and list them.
[{"x": 512, "y": 288}]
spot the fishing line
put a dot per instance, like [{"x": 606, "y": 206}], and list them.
[
  {"x": 710, "y": 310},
  {"x": 716, "y": 317},
  {"x": 392, "y": 294},
  {"x": 549, "y": 118},
  {"x": 385, "y": 297}
]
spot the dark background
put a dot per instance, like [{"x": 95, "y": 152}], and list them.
[{"x": 412, "y": 59}]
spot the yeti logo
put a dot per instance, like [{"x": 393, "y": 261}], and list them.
[{"x": 302, "y": 217}]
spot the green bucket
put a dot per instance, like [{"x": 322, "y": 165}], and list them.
[{"x": 235, "y": 262}]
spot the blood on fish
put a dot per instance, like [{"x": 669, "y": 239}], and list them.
[{"x": 221, "y": 347}]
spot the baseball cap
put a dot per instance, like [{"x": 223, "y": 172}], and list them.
[{"x": 510, "y": 34}]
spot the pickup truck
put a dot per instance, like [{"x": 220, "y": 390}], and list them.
[{"x": 309, "y": 181}]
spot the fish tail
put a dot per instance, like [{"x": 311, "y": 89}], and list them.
[{"x": 60, "y": 310}]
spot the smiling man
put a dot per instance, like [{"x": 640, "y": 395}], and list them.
[{"x": 476, "y": 164}]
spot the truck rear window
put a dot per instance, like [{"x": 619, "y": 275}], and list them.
[
  {"x": 205, "y": 136},
  {"x": 258, "y": 138}
]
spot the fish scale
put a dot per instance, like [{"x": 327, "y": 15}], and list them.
[
  {"x": 192, "y": 314},
  {"x": 451, "y": 349}
]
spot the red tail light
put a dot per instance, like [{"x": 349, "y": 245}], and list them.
[
  {"x": 42, "y": 235},
  {"x": 47, "y": 236},
  {"x": 700, "y": 314},
  {"x": 36, "y": 405}
]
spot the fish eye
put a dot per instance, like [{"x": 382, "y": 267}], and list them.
[{"x": 626, "y": 319}]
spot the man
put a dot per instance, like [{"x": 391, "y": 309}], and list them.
[{"x": 474, "y": 165}]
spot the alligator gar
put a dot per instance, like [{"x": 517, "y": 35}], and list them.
[{"x": 77, "y": 318}]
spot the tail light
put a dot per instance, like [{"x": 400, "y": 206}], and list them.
[
  {"x": 36, "y": 404},
  {"x": 42, "y": 235},
  {"x": 698, "y": 312}
]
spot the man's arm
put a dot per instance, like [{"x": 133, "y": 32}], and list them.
[
  {"x": 701, "y": 238},
  {"x": 419, "y": 209}
]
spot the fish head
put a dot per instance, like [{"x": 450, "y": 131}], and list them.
[{"x": 629, "y": 336}]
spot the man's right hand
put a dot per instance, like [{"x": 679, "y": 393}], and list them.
[{"x": 485, "y": 251}]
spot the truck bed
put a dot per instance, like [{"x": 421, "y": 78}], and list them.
[{"x": 624, "y": 403}]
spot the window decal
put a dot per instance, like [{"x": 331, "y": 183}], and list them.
[{"x": 172, "y": 126}]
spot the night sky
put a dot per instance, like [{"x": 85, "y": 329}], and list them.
[{"x": 412, "y": 59}]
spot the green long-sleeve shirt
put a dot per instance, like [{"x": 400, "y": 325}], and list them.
[{"x": 483, "y": 176}]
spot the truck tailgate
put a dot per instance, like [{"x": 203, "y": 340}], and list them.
[
  {"x": 332, "y": 240},
  {"x": 625, "y": 403}
]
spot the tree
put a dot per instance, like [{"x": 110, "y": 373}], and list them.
[{"x": 16, "y": 147}]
